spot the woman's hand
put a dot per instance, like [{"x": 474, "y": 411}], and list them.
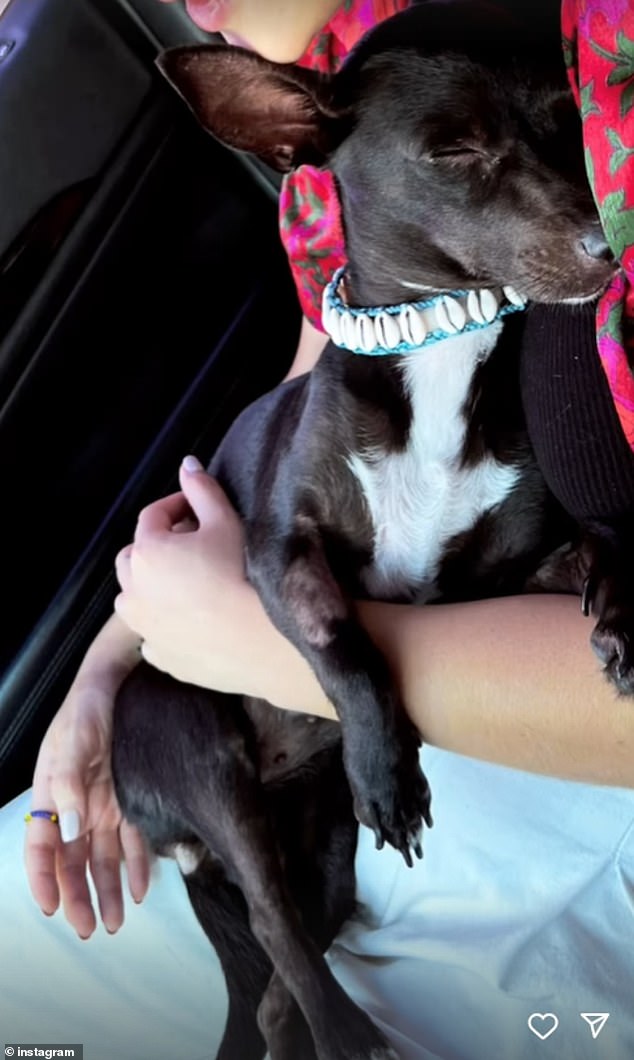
[
  {"x": 73, "y": 779},
  {"x": 185, "y": 593},
  {"x": 511, "y": 681}
]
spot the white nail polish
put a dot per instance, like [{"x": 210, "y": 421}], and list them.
[
  {"x": 69, "y": 825},
  {"x": 192, "y": 463}
]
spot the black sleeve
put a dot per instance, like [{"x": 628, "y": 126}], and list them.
[{"x": 572, "y": 421}]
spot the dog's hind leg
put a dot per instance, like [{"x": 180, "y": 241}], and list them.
[
  {"x": 283, "y": 1025},
  {"x": 223, "y": 915},
  {"x": 313, "y": 817},
  {"x": 194, "y": 776},
  {"x": 279, "y": 1015},
  {"x": 229, "y": 816}
]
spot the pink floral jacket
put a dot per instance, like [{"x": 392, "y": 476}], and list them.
[{"x": 598, "y": 38}]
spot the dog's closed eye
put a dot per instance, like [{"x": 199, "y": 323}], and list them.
[
  {"x": 455, "y": 151},
  {"x": 463, "y": 154}
]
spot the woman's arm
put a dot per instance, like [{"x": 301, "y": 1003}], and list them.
[
  {"x": 73, "y": 778},
  {"x": 112, "y": 655},
  {"x": 309, "y": 349},
  {"x": 72, "y": 775},
  {"x": 512, "y": 680}
]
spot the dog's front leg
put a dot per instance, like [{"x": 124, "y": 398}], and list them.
[
  {"x": 303, "y": 599},
  {"x": 609, "y": 593}
]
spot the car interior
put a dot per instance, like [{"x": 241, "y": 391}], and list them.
[{"x": 144, "y": 300}]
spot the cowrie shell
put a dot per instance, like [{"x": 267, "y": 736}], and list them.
[
  {"x": 488, "y": 305},
  {"x": 443, "y": 321},
  {"x": 513, "y": 296},
  {"x": 365, "y": 334},
  {"x": 388, "y": 333},
  {"x": 412, "y": 326},
  {"x": 332, "y": 326},
  {"x": 473, "y": 307},
  {"x": 348, "y": 330},
  {"x": 455, "y": 312}
]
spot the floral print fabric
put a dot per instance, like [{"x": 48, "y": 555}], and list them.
[
  {"x": 598, "y": 38},
  {"x": 331, "y": 45},
  {"x": 310, "y": 218}
]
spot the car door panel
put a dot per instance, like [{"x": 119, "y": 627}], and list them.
[{"x": 137, "y": 339}]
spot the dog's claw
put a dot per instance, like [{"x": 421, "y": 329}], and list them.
[
  {"x": 417, "y": 845},
  {"x": 407, "y": 857},
  {"x": 390, "y": 792},
  {"x": 587, "y": 595}
]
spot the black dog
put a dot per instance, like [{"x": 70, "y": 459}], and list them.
[{"x": 402, "y": 476}]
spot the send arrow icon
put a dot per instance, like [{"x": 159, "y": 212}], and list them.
[{"x": 596, "y": 1021}]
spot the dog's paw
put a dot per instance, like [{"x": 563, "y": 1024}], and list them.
[
  {"x": 608, "y": 593},
  {"x": 356, "y": 1039},
  {"x": 380, "y": 1052},
  {"x": 613, "y": 642},
  {"x": 391, "y": 794}
]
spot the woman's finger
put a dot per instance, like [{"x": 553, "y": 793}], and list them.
[
  {"x": 69, "y": 794},
  {"x": 105, "y": 869},
  {"x": 72, "y": 860},
  {"x": 186, "y": 525},
  {"x": 62, "y": 793},
  {"x": 122, "y": 567},
  {"x": 122, "y": 609},
  {"x": 205, "y": 496},
  {"x": 137, "y": 860},
  {"x": 40, "y": 852},
  {"x": 162, "y": 515}
]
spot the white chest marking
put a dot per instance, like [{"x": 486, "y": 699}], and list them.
[{"x": 420, "y": 498}]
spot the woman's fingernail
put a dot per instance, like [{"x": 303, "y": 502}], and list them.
[
  {"x": 192, "y": 463},
  {"x": 69, "y": 826}
]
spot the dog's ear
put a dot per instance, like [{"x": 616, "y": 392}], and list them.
[{"x": 282, "y": 113}]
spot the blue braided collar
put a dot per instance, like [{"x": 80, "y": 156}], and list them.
[{"x": 383, "y": 330}]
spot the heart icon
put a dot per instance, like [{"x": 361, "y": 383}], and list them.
[{"x": 543, "y": 1024}]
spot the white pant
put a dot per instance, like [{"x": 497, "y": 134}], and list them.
[{"x": 523, "y": 903}]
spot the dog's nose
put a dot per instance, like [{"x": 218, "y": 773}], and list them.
[{"x": 595, "y": 246}]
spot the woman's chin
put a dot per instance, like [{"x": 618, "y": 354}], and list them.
[{"x": 236, "y": 40}]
